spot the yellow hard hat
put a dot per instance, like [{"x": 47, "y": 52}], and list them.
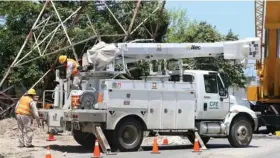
[
  {"x": 62, "y": 59},
  {"x": 31, "y": 91}
]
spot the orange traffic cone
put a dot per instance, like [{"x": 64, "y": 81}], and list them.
[
  {"x": 165, "y": 141},
  {"x": 196, "y": 146},
  {"x": 96, "y": 150},
  {"x": 51, "y": 137},
  {"x": 48, "y": 154},
  {"x": 155, "y": 147}
]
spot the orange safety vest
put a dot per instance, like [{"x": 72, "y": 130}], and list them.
[
  {"x": 75, "y": 70},
  {"x": 24, "y": 107}
]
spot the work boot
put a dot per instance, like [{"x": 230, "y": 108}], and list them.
[{"x": 30, "y": 146}]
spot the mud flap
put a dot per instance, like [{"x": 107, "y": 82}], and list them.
[{"x": 76, "y": 125}]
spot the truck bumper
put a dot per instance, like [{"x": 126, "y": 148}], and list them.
[
  {"x": 86, "y": 115},
  {"x": 53, "y": 117},
  {"x": 43, "y": 114}
]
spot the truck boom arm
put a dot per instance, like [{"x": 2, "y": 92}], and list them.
[{"x": 124, "y": 53}]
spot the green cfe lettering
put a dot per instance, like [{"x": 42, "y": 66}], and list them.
[{"x": 213, "y": 105}]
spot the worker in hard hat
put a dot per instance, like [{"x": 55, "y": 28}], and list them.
[
  {"x": 72, "y": 69},
  {"x": 26, "y": 111}
]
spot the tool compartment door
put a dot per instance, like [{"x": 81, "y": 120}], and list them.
[
  {"x": 185, "y": 112},
  {"x": 154, "y": 111},
  {"x": 168, "y": 110}
]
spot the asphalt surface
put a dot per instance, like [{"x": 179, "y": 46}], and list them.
[{"x": 262, "y": 145}]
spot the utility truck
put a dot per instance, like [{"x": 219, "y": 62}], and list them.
[{"x": 173, "y": 102}]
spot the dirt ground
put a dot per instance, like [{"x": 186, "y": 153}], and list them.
[
  {"x": 64, "y": 143},
  {"x": 9, "y": 140}
]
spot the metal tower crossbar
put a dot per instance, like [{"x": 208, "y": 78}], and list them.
[{"x": 18, "y": 61}]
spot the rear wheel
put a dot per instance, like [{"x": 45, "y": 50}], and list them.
[
  {"x": 241, "y": 132},
  {"x": 128, "y": 135},
  {"x": 85, "y": 139}
]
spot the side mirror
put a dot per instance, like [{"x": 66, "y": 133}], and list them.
[{"x": 223, "y": 93}]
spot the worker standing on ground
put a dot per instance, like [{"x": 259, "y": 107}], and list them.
[
  {"x": 26, "y": 111},
  {"x": 72, "y": 69}
]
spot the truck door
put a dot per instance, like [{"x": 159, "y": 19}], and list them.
[{"x": 213, "y": 105}]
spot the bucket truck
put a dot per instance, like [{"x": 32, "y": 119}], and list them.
[{"x": 193, "y": 103}]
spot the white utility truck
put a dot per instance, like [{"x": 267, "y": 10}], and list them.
[{"x": 172, "y": 102}]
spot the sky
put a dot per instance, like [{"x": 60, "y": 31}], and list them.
[{"x": 225, "y": 15}]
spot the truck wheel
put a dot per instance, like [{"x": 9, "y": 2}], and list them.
[
  {"x": 129, "y": 135},
  {"x": 85, "y": 139},
  {"x": 205, "y": 139},
  {"x": 241, "y": 132}
]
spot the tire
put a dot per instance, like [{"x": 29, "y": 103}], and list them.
[
  {"x": 241, "y": 132},
  {"x": 205, "y": 139},
  {"x": 134, "y": 131},
  {"x": 85, "y": 139},
  {"x": 109, "y": 134}
]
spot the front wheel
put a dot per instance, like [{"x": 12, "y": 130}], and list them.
[
  {"x": 128, "y": 135},
  {"x": 241, "y": 132}
]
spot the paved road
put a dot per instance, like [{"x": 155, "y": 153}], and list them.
[{"x": 261, "y": 146}]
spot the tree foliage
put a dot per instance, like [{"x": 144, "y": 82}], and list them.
[
  {"x": 182, "y": 29},
  {"x": 172, "y": 27},
  {"x": 22, "y": 14}
]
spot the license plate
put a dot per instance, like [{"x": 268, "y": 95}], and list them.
[
  {"x": 76, "y": 125},
  {"x": 126, "y": 102}
]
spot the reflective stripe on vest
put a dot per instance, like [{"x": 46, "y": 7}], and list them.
[
  {"x": 75, "y": 63},
  {"x": 75, "y": 70},
  {"x": 24, "y": 106}
]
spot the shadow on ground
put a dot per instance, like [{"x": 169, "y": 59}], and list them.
[
  {"x": 217, "y": 146},
  {"x": 262, "y": 131},
  {"x": 176, "y": 147},
  {"x": 70, "y": 149}
]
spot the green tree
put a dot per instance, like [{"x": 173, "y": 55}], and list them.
[
  {"x": 184, "y": 30},
  {"x": 231, "y": 67},
  {"x": 22, "y": 14}
]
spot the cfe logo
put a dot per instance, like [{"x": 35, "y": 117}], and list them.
[
  {"x": 213, "y": 105},
  {"x": 193, "y": 47}
]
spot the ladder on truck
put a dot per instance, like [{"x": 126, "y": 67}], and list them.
[{"x": 102, "y": 141}]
